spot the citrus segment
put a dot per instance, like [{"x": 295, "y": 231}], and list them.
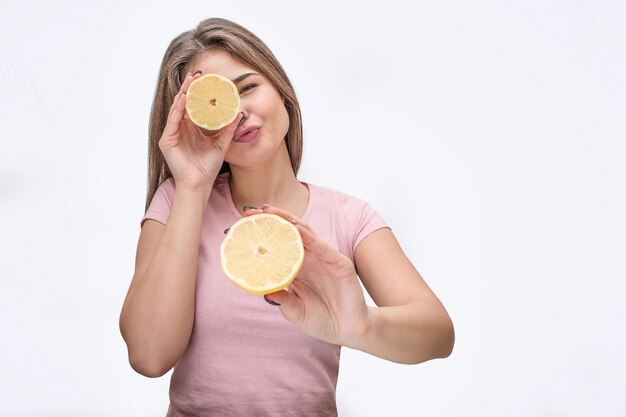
[
  {"x": 212, "y": 101},
  {"x": 262, "y": 253}
]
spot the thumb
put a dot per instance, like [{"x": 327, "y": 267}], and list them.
[
  {"x": 288, "y": 303},
  {"x": 227, "y": 134}
]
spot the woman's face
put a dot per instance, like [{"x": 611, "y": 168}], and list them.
[{"x": 261, "y": 103}]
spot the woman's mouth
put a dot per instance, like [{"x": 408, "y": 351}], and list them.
[{"x": 248, "y": 137}]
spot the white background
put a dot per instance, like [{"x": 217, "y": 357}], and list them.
[{"x": 490, "y": 135}]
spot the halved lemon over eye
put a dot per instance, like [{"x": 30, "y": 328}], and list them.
[
  {"x": 212, "y": 101},
  {"x": 262, "y": 253}
]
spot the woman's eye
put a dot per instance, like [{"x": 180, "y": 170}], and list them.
[{"x": 244, "y": 89}]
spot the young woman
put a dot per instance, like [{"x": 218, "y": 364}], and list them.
[{"x": 233, "y": 353}]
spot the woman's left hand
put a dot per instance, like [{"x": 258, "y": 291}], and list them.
[{"x": 325, "y": 299}]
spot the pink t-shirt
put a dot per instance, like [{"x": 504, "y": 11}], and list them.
[{"x": 244, "y": 358}]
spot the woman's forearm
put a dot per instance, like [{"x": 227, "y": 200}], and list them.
[
  {"x": 410, "y": 333},
  {"x": 158, "y": 313}
]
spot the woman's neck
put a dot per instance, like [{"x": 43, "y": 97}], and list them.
[{"x": 273, "y": 183}]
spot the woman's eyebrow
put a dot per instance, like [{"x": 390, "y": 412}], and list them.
[{"x": 243, "y": 77}]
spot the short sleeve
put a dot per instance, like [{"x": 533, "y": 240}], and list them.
[
  {"x": 161, "y": 204},
  {"x": 366, "y": 220}
]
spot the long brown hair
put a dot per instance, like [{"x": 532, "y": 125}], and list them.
[{"x": 245, "y": 47}]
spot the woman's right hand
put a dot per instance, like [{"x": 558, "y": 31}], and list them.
[{"x": 193, "y": 158}]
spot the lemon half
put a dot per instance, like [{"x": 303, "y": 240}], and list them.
[
  {"x": 262, "y": 253},
  {"x": 212, "y": 101}
]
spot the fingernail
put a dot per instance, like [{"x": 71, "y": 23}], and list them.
[
  {"x": 241, "y": 120},
  {"x": 274, "y": 303},
  {"x": 199, "y": 71},
  {"x": 249, "y": 207},
  {"x": 265, "y": 206},
  {"x": 226, "y": 230},
  {"x": 294, "y": 222}
]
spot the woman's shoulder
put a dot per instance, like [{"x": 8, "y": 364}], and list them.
[
  {"x": 165, "y": 189},
  {"x": 356, "y": 218},
  {"x": 167, "y": 185},
  {"x": 330, "y": 192},
  {"x": 332, "y": 197}
]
